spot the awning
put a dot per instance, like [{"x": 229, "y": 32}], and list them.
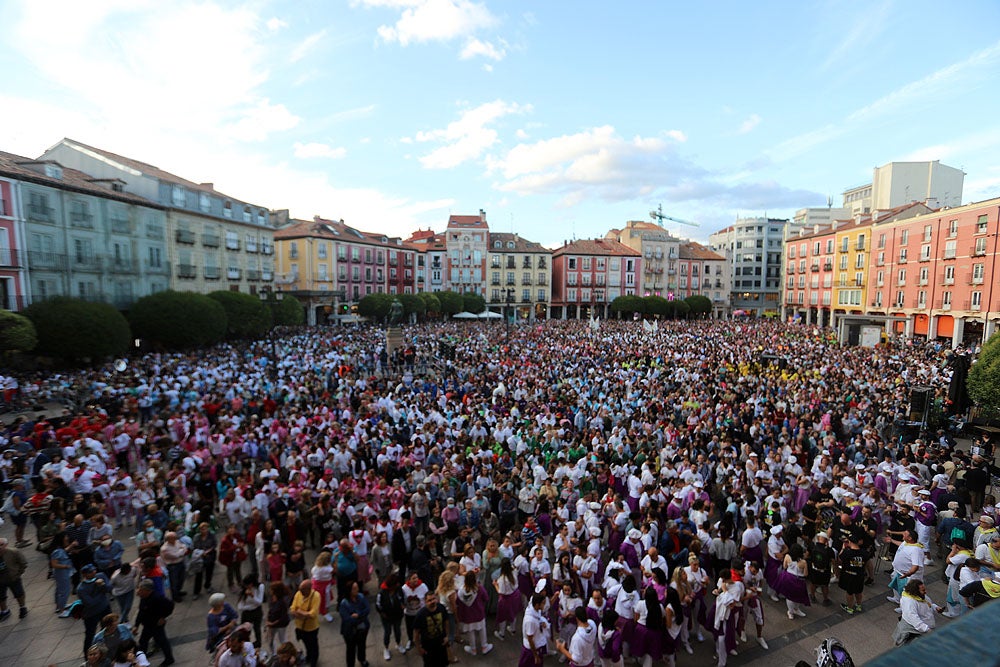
[
  {"x": 920, "y": 325},
  {"x": 946, "y": 326}
]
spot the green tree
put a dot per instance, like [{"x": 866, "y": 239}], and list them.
[
  {"x": 413, "y": 304},
  {"x": 17, "y": 333},
  {"x": 628, "y": 304},
  {"x": 286, "y": 311},
  {"x": 375, "y": 306},
  {"x": 73, "y": 329},
  {"x": 246, "y": 315},
  {"x": 178, "y": 320},
  {"x": 699, "y": 305},
  {"x": 451, "y": 302},
  {"x": 680, "y": 309},
  {"x": 983, "y": 383},
  {"x": 657, "y": 305},
  {"x": 432, "y": 305},
  {"x": 473, "y": 303}
]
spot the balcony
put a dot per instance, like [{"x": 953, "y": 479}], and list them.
[
  {"x": 212, "y": 273},
  {"x": 232, "y": 244},
  {"x": 234, "y": 273},
  {"x": 814, "y": 268},
  {"x": 948, "y": 280},
  {"x": 252, "y": 245},
  {"x": 41, "y": 213},
  {"x": 973, "y": 307},
  {"x": 941, "y": 305},
  {"x": 828, "y": 266},
  {"x": 253, "y": 274},
  {"x": 975, "y": 280},
  {"x": 184, "y": 236},
  {"x": 922, "y": 282},
  {"x": 526, "y": 281},
  {"x": 902, "y": 260},
  {"x": 82, "y": 220},
  {"x": 211, "y": 240},
  {"x": 977, "y": 252},
  {"x": 542, "y": 298},
  {"x": 266, "y": 248},
  {"x": 511, "y": 263},
  {"x": 10, "y": 259},
  {"x": 158, "y": 267},
  {"x": 86, "y": 263},
  {"x": 266, "y": 275},
  {"x": 511, "y": 283},
  {"x": 122, "y": 265},
  {"x": 120, "y": 226},
  {"x": 319, "y": 278},
  {"x": 495, "y": 282},
  {"x": 187, "y": 270},
  {"x": 541, "y": 263},
  {"x": 860, "y": 245},
  {"x": 858, "y": 282},
  {"x": 380, "y": 260}
]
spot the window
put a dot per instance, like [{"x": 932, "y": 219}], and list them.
[
  {"x": 981, "y": 224},
  {"x": 928, "y": 232},
  {"x": 843, "y": 263},
  {"x": 881, "y": 240},
  {"x": 204, "y": 202},
  {"x": 977, "y": 300},
  {"x": 861, "y": 242},
  {"x": 977, "y": 273},
  {"x": 247, "y": 215},
  {"x": 155, "y": 258},
  {"x": 946, "y": 298},
  {"x": 949, "y": 275},
  {"x": 321, "y": 250},
  {"x": 571, "y": 294},
  {"x": 902, "y": 255},
  {"x": 586, "y": 264},
  {"x": 980, "y": 246},
  {"x": 83, "y": 251},
  {"x": 925, "y": 252},
  {"x": 629, "y": 265},
  {"x": 816, "y": 248},
  {"x": 950, "y": 249},
  {"x": 904, "y": 236},
  {"x": 844, "y": 243},
  {"x": 901, "y": 277},
  {"x": 177, "y": 196},
  {"x": 571, "y": 263},
  {"x": 79, "y": 215},
  {"x": 791, "y": 252},
  {"x": 923, "y": 275},
  {"x": 952, "y": 228},
  {"x": 227, "y": 210},
  {"x": 921, "y": 299},
  {"x": 859, "y": 262}
]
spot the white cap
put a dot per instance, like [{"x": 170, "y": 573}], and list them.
[
  {"x": 634, "y": 534},
  {"x": 776, "y": 530},
  {"x": 924, "y": 492},
  {"x": 595, "y": 532},
  {"x": 540, "y": 586}
]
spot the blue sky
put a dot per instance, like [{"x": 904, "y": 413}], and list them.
[{"x": 560, "y": 119}]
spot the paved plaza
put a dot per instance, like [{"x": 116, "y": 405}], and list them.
[{"x": 43, "y": 639}]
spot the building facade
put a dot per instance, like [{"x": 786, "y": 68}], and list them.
[
  {"x": 753, "y": 248},
  {"x": 85, "y": 237},
  {"x": 703, "y": 271},
  {"x": 899, "y": 183},
  {"x": 659, "y": 250},
  {"x": 213, "y": 241},
  {"x": 466, "y": 238},
  {"x": 519, "y": 276},
  {"x": 937, "y": 273},
  {"x": 587, "y": 275},
  {"x": 13, "y": 273}
]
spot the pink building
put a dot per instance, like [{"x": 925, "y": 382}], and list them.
[
  {"x": 12, "y": 278},
  {"x": 587, "y": 275}
]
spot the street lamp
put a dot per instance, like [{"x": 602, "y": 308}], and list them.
[
  {"x": 508, "y": 301},
  {"x": 265, "y": 297}
]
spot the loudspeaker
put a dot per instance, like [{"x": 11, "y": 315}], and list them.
[{"x": 919, "y": 396}]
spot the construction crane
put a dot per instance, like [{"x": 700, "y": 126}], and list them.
[{"x": 658, "y": 215}]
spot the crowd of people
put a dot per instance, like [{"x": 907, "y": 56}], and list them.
[{"x": 599, "y": 494}]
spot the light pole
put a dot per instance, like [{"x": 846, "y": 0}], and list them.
[
  {"x": 508, "y": 301},
  {"x": 265, "y": 298}
]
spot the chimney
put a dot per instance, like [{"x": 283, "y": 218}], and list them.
[
  {"x": 833, "y": 225},
  {"x": 210, "y": 186},
  {"x": 482, "y": 215},
  {"x": 931, "y": 202}
]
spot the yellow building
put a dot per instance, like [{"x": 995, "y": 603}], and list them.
[{"x": 853, "y": 242}]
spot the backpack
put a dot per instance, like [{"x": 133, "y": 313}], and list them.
[{"x": 831, "y": 653}]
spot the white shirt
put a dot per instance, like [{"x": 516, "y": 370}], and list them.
[
  {"x": 906, "y": 557},
  {"x": 919, "y": 614},
  {"x": 582, "y": 647},
  {"x": 535, "y": 626}
]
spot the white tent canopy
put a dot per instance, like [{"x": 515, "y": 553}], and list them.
[
  {"x": 489, "y": 315},
  {"x": 465, "y": 315}
]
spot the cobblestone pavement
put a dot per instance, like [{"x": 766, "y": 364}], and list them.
[{"x": 43, "y": 639}]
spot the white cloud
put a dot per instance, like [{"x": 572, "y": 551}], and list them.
[
  {"x": 676, "y": 135},
  {"x": 749, "y": 124},
  {"x": 600, "y": 164},
  {"x": 120, "y": 81},
  {"x": 439, "y": 21},
  {"x": 956, "y": 148},
  {"x": 468, "y": 137},
  {"x": 306, "y": 45},
  {"x": 475, "y": 47},
  {"x": 261, "y": 120},
  {"x": 315, "y": 149},
  {"x": 275, "y": 24},
  {"x": 867, "y": 26}
]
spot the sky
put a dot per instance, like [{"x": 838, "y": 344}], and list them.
[{"x": 560, "y": 119}]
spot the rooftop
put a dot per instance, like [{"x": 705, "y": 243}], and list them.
[{"x": 20, "y": 167}]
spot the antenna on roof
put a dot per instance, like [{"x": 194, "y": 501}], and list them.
[{"x": 829, "y": 202}]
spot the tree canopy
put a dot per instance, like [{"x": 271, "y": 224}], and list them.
[
  {"x": 246, "y": 315},
  {"x": 286, "y": 311},
  {"x": 17, "y": 333},
  {"x": 699, "y": 304},
  {"x": 74, "y": 329},
  {"x": 628, "y": 304},
  {"x": 451, "y": 302},
  {"x": 375, "y": 306},
  {"x": 473, "y": 303},
  {"x": 178, "y": 320},
  {"x": 984, "y": 378}
]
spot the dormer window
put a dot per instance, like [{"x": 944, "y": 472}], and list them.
[
  {"x": 204, "y": 202},
  {"x": 498, "y": 244},
  {"x": 510, "y": 244},
  {"x": 53, "y": 171},
  {"x": 117, "y": 187},
  {"x": 177, "y": 195}
]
